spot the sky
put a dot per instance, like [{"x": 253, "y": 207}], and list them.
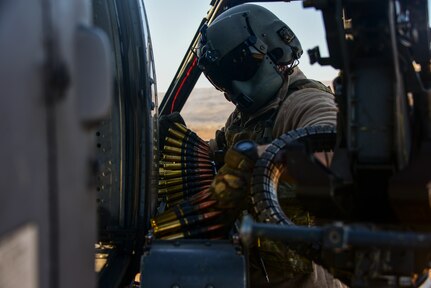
[{"x": 173, "y": 23}]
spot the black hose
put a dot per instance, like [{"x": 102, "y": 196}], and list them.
[{"x": 268, "y": 169}]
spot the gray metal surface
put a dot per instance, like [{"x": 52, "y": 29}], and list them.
[
  {"x": 46, "y": 147},
  {"x": 193, "y": 263}
]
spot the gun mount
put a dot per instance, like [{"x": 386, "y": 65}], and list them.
[
  {"x": 382, "y": 51},
  {"x": 379, "y": 171}
]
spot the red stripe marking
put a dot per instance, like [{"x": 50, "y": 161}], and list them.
[{"x": 182, "y": 83}]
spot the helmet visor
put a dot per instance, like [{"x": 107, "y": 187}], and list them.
[{"x": 239, "y": 64}]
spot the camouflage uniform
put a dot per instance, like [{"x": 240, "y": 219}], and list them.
[{"x": 300, "y": 102}]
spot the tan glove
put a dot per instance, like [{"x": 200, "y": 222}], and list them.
[{"x": 231, "y": 185}]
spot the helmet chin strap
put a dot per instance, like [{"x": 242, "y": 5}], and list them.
[{"x": 249, "y": 96}]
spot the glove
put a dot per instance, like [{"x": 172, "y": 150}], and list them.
[{"x": 230, "y": 187}]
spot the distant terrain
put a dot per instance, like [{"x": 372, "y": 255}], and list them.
[{"x": 206, "y": 110}]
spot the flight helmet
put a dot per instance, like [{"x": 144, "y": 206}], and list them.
[{"x": 247, "y": 52}]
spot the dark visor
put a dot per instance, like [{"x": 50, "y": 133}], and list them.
[{"x": 239, "y": 64}]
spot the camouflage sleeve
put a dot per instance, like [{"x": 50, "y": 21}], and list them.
[{"x": 306, "y": 107}]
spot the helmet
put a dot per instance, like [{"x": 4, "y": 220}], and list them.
[{"x": 245, "y": 52}]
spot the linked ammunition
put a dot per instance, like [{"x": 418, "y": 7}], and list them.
[
  {"x": 199, "y": 177},
  {"x": 185, "y": 186},
  {"x": 193, "y": 185},
  {"x": 178, "y": 173},
  {"x": 185, "y": 165},
  {"x": 184, "y": 158},
  {"x": 173, "y": 150},
  {"x": 185, "y": 170},
  {"x": 181, "y": 127},
  {"x": 178, "y": 198},
  {"x": 187, "y": 132},
  {"x": 184, "y": 138},
  {"x": 173, "y": 236},
  {"x": 186, "y": 192},
  {"x": 170, "y": 173},
  {"x": 200, "y": 196},
  {"x": 185, "y": 152},
  {"x": 166, "y": 227},
  {"x": 169, "y": 182},
  {"x": 192, "y": 199},
  {"x": 172, "y": 158},
  {"x": 186, "y": 145},
  {"x": 174, "y": 203},
  {"x": 182, "y": 195},
  {"x": 185, "y": 221},
  {"x": 174, "y": 142},
  {"x": 176, "y": 134},
  {"x": 184, "y": 179},
  {"x": 179, "y": 211},
  {"x": 170, "y": 190},
  {"x": 175, "y": 197}
]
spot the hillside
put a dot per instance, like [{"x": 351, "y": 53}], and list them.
[{"x": 206, "y": 111}]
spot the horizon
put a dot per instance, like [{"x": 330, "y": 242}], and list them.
[{"x": 207, "y": 110}]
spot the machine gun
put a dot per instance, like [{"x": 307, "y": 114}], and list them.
[
  {"x": 377, "y": 187},
  {"x": 378, "y": 182}
]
